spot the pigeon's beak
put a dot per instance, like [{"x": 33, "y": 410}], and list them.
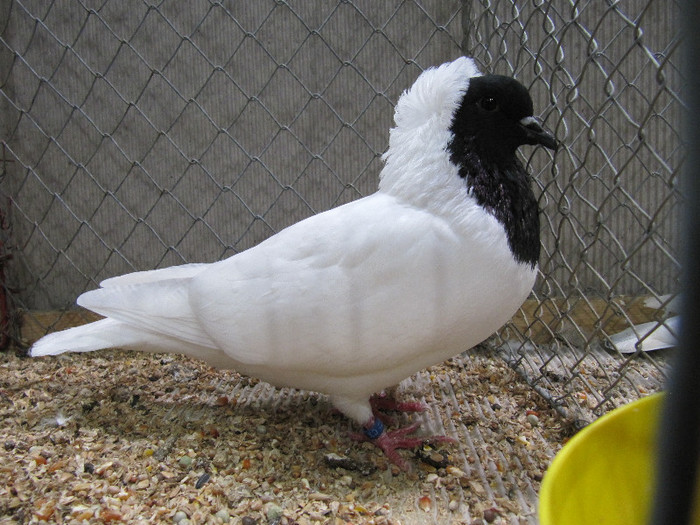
[{"x": 534, "y": 134}]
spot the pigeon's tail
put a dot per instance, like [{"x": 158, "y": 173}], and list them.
[
  {"x": 111, "y": 333},
  {"x": 99, "y": 335}
]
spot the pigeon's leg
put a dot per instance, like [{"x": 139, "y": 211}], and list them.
[
  {"x": 392, "y": 440},
  {"x": 384, "y": 401}
]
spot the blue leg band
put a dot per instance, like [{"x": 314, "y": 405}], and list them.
[{"x": 375, "y": 430}]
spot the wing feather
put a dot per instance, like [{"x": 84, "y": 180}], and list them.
[{"x": 183, "y": 271}]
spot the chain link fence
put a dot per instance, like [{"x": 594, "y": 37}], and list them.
[{"x": 140, "y": 134}]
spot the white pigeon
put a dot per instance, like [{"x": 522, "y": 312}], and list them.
[{"x": 353, "y": 300}]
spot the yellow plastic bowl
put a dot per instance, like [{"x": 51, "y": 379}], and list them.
[{"x": 605, "y": 474}]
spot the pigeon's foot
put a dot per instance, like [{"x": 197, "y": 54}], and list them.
[
  {"x": 385, "y": 401},
  {"x": 392, "y": 440}
]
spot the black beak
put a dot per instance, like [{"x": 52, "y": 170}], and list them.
[{"x": 534, "y": 134}]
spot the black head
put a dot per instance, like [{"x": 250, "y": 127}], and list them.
[{"x": 494, "y": 118}]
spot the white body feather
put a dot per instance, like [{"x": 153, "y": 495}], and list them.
[{"x": 346, "y": 302}]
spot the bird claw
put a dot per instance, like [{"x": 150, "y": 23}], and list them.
[{"x": 390, "y": 441}]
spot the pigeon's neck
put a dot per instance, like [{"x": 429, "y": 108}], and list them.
[{"x": 503, "y": 189}]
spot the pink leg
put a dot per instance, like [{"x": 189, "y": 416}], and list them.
[{"x": 384, "y": 401}]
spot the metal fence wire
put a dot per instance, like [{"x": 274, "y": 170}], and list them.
[{"x": 139, "y": 134}]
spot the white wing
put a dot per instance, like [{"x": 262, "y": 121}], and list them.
[
  {"x": 374, "y": 290},
  {"x": 183, "y": 271}
]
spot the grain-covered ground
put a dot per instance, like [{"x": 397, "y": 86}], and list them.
[{"x": 119, "y": 436}]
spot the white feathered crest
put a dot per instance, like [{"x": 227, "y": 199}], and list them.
[
  {"x": 434, "y": 96},
  {"x": 418, "y": 143}
]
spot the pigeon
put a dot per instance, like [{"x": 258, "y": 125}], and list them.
[{"x": 351, "y": 301}]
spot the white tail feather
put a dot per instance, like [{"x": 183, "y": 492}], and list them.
[
  {"x": 109, "y": 333},
  {"x": 151, "y": 307},
  {"x": 105, "y": 333}
]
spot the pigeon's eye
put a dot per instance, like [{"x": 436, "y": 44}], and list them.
[{"x": 488, "y": 104}]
